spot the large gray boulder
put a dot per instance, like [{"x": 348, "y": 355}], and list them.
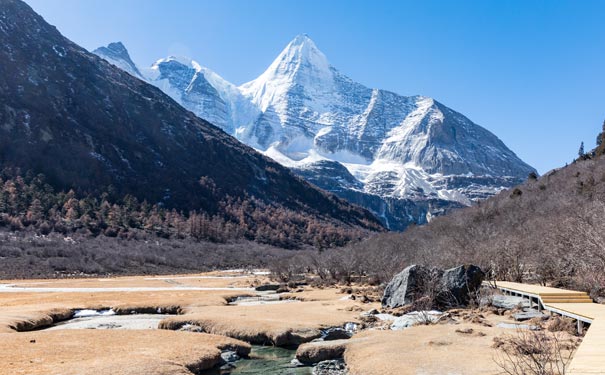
[
  {"x": 449, "y": 288},
  {"x": 528, "y": 314},
  {"x": 459, "y": 285},
  {"x": 408, "y": 285},
  {"x": 509, "y": 302}
]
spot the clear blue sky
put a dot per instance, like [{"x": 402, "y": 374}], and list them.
[{"x": 530, "y": 71}]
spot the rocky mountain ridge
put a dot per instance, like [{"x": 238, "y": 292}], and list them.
[{"x": 405, "y": 154}]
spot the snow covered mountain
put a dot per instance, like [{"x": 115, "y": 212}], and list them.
[
  {"x": 406, "y": 158},
  {"x": 203, "y": 92},
  {"x": 118, "y": 55}
]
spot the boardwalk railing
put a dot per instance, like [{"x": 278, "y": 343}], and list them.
[{"x": 590, "y": 356}]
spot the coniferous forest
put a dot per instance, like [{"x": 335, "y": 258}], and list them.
[{"x": 104, "y": 234}]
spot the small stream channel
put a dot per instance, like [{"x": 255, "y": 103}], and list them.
[{"x": 268, "y": 360}]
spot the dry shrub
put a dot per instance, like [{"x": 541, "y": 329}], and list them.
[
  {"x": 471, "y": 316},
  {"x": 465, "y": 331},
  {"x": 534, "y": 353},
  {"x": 440, "y": 343},
  {"x": 560, "y": 324}
]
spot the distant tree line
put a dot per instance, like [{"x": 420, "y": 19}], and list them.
[{"x": 29, "y": 203}]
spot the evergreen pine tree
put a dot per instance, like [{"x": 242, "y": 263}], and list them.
[
  {"x": 600, "y": 143},
  {"x": 35, "y": 211}
]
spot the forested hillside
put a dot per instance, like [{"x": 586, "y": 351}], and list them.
[{"x": 28, "y": 203}]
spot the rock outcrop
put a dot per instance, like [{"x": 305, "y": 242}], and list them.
[
  {"x": 336, "y": 334},
  {"x": 408, "y": 286},
  {"x": 449, "y": 288},
  {"x": 459, "y": 284}
]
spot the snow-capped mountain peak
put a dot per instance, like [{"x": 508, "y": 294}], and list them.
[
  {"x": 406, "y": 158},
  {"x": 176, "y": 62},
  {"x": 300, "y": 58},
  {"x": 301, "y": 64},
  {"x": 118, "y": 55}
]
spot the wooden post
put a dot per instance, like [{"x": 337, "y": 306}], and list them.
[{"x": 580, "y": 327}]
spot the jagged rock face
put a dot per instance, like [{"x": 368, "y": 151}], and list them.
[
  {"x": 88, "y": 125},
  {"x": 401, "y": 149},
  {"x": 396, "y": 214},
  {"x": 329, "y": 175}
]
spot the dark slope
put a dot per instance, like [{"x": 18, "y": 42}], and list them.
[{"x": 88, "y": 125}]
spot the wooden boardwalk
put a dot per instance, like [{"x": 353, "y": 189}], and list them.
[{"x": 590, "y": 356}]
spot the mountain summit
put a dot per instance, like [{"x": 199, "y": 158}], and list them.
[
  {"x": 118, "y": 55},
  {"x": 406, "y": 158},
  {"x": 302, "y": 64},
  {"x": 93, "y": 128}
]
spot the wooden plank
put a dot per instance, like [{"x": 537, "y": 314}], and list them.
[
  {"x": 590, "y": 356},
  {"x": 537, "y": 289},
  {"x": 589, "y": 359}
]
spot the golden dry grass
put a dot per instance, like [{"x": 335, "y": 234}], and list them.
[
  {"x": 111, "y": 352},
  {"x": 310, "y": 294},
  {"x": 436, "y": 349},
  {"x": 280, "y": 324},
  {"x": 210, "y": 280},
  {"x": 463, "y": 346},
  {"x": 314, "y": 352},
  {"x": 154, "y": 351},
  {"x": 29, "y": 310}
]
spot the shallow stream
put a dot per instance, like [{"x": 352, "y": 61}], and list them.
[{"x": 266, "y": 360}]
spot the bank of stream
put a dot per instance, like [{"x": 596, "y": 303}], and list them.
[{"x": 268, "y": 360}]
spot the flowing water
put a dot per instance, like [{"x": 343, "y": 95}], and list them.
[{"x": 266, "y": 360}]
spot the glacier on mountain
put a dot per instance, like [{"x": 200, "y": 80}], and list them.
[{"x": 406, "y": 158}]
